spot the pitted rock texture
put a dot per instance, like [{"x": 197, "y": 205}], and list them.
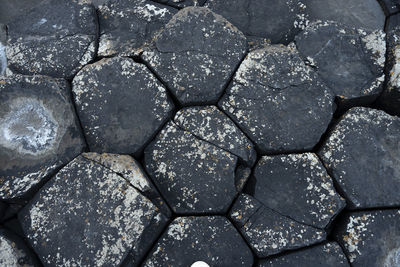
[
  {"x": 212, "y": 240},
  {"x": 196, "y": 54},
  {"x": 296, "y": 186},
  {"x": 371, "y": 238},
  {"x": 269, "y": 232},
  {"x": 13, "y": 251},
  {"x": 127, "y": 26},
  {"x": 121, "y": 105},
  {"x": 264, "y": 18},
  {"x": 327, "y": 255},
  {"x": 39, "y": 132},
  {"x": 363, "y": 155},
  {"x": 87, "y": 215},
  {"x": 182, "y": 3},
  {"x": 278, "y": 101},
  {"x": 350, "y": 61},
  {"x": 56, "y": 38}
]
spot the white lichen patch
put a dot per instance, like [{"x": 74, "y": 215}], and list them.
[
  {"x": 10, "y": 254},
  {"x": 375, "y": 42},
  {"x": 394, "y": 73}
]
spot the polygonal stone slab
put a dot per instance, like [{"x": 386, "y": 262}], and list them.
[
  {"x": 267, "y": 231},
  {"x": 212, "y": 125},
  {"x": 327, "y": 255},
  {"x": 296, "y": 186},
  {"x": 278, "y": 101},
  {"x": 13, "y": 251},
  {"x": 212, "y": 240},
  {"x": 278, "y": 21},
  {"x": 121, "y": 105},
  {"x": 371, "y": 238},
  {"x": 393, "y": 22},
  {"x": 182, "y": 3},
  {"x": 365, "y": 14},
  {"x": 196, "y": 54},
  {"x": 127, "y": 26},
  {"x": 193, "y": 175},
  {"x": 39, "y": 132},
  {"x": 350, "y": 61},
  {"x": 363, "y": 154},
  {"x": 88, "y": 215},
  {"x": 56, "y": 38}
]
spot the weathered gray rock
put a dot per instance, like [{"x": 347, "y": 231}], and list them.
[
  {"x": 363, "y": 154},
  {"x": 182, "y": 3},
  {"x": 392, "y": 6},
  {"x": 278, "y": 101},
  {"x": 13, "y": 251},
  {"x": 121, "y": 105},
  {"x": 327, "y": 255},
  {"x": 196, "y": 54},
  {"x": 55, "y": 38},
  {"x": 212, "y": 240},
  {"x": 210, "y": 124},
  {"x": 371, "y": 238},
  {"x": 350, "y": 61},
  {"x": 88, "y": 215},
  {"x": 278, "y": 21},
  {"x": 3, "y": 57},
  {"x": 267, "y": 231},
  {"x": 365, "y": 14},
  {"x": 393, "y": 22},
  {"x": 127, "y": 26},
  {"x": 39, "y": 132},
  {"x": 193, "y": 175},
  {"x": 297, "y": 186}
]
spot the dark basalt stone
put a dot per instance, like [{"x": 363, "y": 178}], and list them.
[
  {"x": 296, "y": 186},
  {"x": 393, "y": 22},
  {"x": 363, "y": 155},
  {"x": 392, "y": 6},
  {"x": 89, "y": 215},
  {"x": 121, "y": 105},
  {"x": 13, "y": 251},
  {"x": 371, "y": 238},
  {"x": 269, "y": 232},
  {"x": 327, "y": 255},
  {"x": 278, "y": 101},
  {"x": 127, "y": 26},
  {"x": 350, "y": 61},
  {"x": 212, "y": 240},
  {"x": 278, "y": 21},
  {"x": 55, "y": 38},
  {"x": 39, "y": 132},
  {"x": 196, "y": 54},
  {"x": 182, "y": 3}
]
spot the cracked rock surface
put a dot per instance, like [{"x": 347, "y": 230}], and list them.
[{"x": 182, "y": 3}]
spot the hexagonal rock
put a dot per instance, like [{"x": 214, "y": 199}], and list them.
[
  {"x": 56, "y": 38},
  {"x": 196, "y": 54},
  {"x": 39, "y": 132},
  {"x": 371, "y": 238},
  {"x": 193, "y": 175},
  {"x": 365, "y": 14},
  {"x": 182, "y": 3},
  {"x": 127, "y": 26},
  {"x": 212, "y": 240},
  {"x": 278, "y": 101},
  {"x": 212, "y": 125},
  {"x": 278, "y": 21},
  {"x": 89, "y": 215},
  {"x": 121, "y": 105},
  {"x": 350, "y": 61},
  {"x": 13, "y": 251},
  {"x": 363, "y": 155},
  {"x": 327, "y": 255},
  {"x": 267, "y": 231},
  {"x": 296, "y": 186}
]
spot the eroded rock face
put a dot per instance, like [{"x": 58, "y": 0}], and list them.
[
  {"x": 328, "y": 255},
  {"x": 182, "y": 3},
  {"x": 38, "y": 132},
  {"x": 196, "y": 54},
  {"x": 55, "y": 38},
  {"x": 267, "y": 231},
  {"x": 278, "y": 101},
  {"x": 363, "y": 154},
  {"x": 371, "y": 238},
  {"x": 13, "y": 251},
  {"x": 212, "y": 240},
  {"x": 350, "y": 61},
  {"x": 296, "y": 186},
  {"x": 127, "y": 26},
  {"x": 121, "y": 105},
  {"x": 89, "y": 215},
  {"x": 278, "y": 21}
]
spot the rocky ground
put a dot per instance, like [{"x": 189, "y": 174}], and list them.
[{"x": 200, "y": 133}]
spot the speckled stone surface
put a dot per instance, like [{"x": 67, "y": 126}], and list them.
[{"x": 13, "y": 251}]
